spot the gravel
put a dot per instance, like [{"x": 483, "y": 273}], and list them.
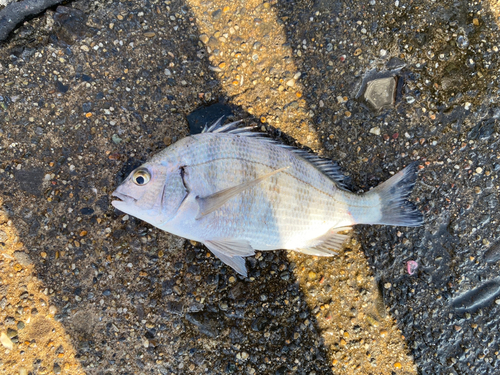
[{"x": 92, "y": 90}]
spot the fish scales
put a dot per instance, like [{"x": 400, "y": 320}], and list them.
[
  {"x": 238, "y": 193},
  {"x": 303, "y": 204}
]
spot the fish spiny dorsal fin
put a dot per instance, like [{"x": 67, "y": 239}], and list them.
[
  {"x": 326, "y": 166},
  {"x": 217, "y": 127}
]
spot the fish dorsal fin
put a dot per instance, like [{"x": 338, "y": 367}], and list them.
[
  {"x": 231, "y": 252},
  {"x": 214, "y": 201},
  {"x": 326, "y": 166},
  {"x": 232, "y": 127},
  {"x": 326, "y": 244}
]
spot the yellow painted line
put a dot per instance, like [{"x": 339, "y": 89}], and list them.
[
  {"x": 28, "y": 301},
  {"x": 249, "y": 55}
]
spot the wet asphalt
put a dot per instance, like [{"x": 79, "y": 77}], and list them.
[{"x": 90, "y": 91}]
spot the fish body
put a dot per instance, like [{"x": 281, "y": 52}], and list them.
[{"x": 236, "y": 192}]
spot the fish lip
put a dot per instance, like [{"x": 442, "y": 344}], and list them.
[{"x": 123, "y": 197}]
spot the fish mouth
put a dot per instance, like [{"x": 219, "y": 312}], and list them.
[{"x": 122, "y": 198}]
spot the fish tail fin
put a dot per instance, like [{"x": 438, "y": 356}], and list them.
[{"x": 392, "y": 196}]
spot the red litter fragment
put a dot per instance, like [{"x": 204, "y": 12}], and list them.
[{"x": 411, "y": 267}]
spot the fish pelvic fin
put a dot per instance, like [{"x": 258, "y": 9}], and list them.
[
  {"x": 328, "y": 244},
  {"x": 394, "y": 207},
  {"x": 232, "y": 253},
  {"x": 215, "y": 201}
]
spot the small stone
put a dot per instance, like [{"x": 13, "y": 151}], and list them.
[
  {"x": 11, "y": 333},
  {"x": 57, "y": 368},
  {"x": 312, "y": 275},
  {"x": 23, "y": 258},
  {"x": 116, "y": 139},
  {"x": 358, "y": 52},
  {"x": 149, "y": 34},
  {"x": 383, "y": 332},
  {"x": 52, "y": 310},
  {"x": 290, "y": 82},
  {"x": 380, "y": 93},
  {"x": 244, "y": 355},
  {"x": 479, "y": 170},
  {"x": 204, "y": 38},
  {"x": 6, "y": 341},
  {"x": 497, "y": 301},
  {"x": 478, "y": 190},
  {"x": 20, "y": 325},
  {"x": 216, "y": 14},
  {"x": 85, "y": 48},
  {"x": 375, "y": 130},
  {"x": 397, "y": 365}
]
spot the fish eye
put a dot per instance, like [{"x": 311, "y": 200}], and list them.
[{"x": 141, "y": 177}]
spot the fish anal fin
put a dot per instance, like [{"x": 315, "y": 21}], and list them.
[
  {"x": 328, "y": 244},
  {"x": 232, "y": 253},
  {"x": 215, "y": 201}
]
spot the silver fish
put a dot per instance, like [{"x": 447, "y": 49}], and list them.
[{"x": 237, "y": 191}]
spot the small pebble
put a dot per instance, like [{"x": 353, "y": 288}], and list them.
[
  {"x": 11, "y": 333},
  {"x": 204, "y": 38},
  {"x": 375, "y": 130},
  {"x": 6, "y": 341},
  {"x": 23, "y": 258}
]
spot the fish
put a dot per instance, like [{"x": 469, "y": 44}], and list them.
[{"x": 238, "y": 191}]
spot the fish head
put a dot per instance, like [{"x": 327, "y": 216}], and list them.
[{"x": 153, "y": 193}]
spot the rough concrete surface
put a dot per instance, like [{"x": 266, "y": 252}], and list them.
[{"x": 90, "y": 90}]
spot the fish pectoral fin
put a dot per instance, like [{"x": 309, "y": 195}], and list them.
[
  {"x": 232, "y": 253},
  {"x": 214, "y": 201},
  {"x": 327, "y": 244}
]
